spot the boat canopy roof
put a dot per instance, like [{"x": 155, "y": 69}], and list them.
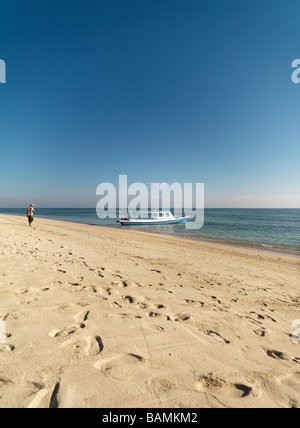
[{"x": 146, "y": 215}]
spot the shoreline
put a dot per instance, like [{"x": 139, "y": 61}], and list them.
[{"x": 243, "y": 245}]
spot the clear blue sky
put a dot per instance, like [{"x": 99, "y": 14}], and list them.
[{"x": 161, "y": 90}]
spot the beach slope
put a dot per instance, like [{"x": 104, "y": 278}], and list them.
[{"x": 98, "y": 317}]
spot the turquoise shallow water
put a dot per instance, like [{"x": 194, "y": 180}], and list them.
[{"x": 266, "y": 228}]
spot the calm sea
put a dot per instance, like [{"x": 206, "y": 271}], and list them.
[{"x": 266, "y": 228}]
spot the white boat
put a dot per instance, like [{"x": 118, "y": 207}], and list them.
[{"x": 157, "y": 218}]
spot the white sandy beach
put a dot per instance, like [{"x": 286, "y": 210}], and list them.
[{"x": 111, "y": 318}]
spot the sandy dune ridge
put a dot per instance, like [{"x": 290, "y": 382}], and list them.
[{"x": 109, "y": 318}]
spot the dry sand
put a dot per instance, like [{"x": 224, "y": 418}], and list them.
[{"x": 110, "y": 318}]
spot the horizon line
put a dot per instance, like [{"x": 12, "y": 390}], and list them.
[{"x": 205, "y": 208}]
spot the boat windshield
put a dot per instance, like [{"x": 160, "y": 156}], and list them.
[
  {"x": 162, "y": 214},
  {"x": 144, "y": 215}
]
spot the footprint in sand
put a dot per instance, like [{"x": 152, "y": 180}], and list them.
[
  {"x": 153, "y": 327},
  {"x": 46, "y": 397},
  {"x": 28, "y": 301},
  {"x": 218, "y": 386},
  {"x": 81, "y": 317},
  {"x": 122, "y": 284},
  {"x": 128, "y": 299},
  {"x": 114, "y": 305},
  {"x": 260, "y": 332},
  {"x": 31, "y": 294},
  {"x": 5, "y": 347},
  {"x": 94, "y": 346},
  {"x": 124, "y": 316},
  {"x": 120, "y": 366},
  {"x": 277, "y": 355},
  {"x": 66, "y": 331},
  {"x": 216, "y": 300},
  {"x": 12, "y": 316},
  {"x": 216, "y": 336},
  {"x": 262, "y": 317},
  {"x": 143, "y": 305},
  {"x": 180, "y": 317},
  {"x": 155, "y": 314},
  {"x": 292, "y": 380},
  {"x": 105, "y": 290},
  {"x": 158, "y": 306},
  {"x": 190, "y": 301},
  {"x": 33, "y": 392}
]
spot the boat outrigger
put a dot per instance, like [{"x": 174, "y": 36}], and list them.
[{"x": 157, "y": 218}]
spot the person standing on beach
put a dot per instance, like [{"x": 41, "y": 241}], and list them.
[{"x": 30, "y": 212}]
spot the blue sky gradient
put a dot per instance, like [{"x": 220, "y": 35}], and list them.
[{"x": 160, "y": 90}]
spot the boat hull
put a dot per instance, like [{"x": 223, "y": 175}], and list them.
[{"x": 181, "y": 220}]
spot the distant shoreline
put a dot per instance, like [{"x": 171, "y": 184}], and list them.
[{"x": 236, "y": 244}]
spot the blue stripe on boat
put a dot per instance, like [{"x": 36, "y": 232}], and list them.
[{"x": 153, "y": 222}]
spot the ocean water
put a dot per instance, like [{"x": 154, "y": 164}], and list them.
[{"x": 265, "y": 228}]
